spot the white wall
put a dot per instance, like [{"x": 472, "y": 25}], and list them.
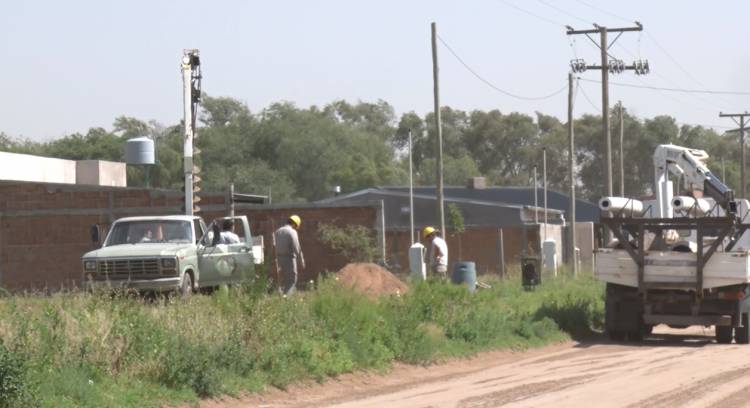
[{"x": 25, "y": 167}]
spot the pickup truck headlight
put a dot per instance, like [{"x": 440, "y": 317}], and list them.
[
  {"x": 89, "y": 266},
  {"x": 168, "y": 263}
]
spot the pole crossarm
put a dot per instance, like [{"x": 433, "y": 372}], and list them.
[{"x": 598, "y": 28}]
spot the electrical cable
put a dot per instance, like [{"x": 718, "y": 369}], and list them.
[
  {"x": 493, "y": 86},
  {"x": 586, "y": 96},
  {"x": 545, "y": 19},
  {"x": 563, "y": 11},
  {"x": 697, "y": 91}
]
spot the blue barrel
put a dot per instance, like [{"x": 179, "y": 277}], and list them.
[{"x": 465, "y": 272}]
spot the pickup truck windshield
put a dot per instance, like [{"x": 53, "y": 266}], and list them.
[{"x": 152, "y": 231}]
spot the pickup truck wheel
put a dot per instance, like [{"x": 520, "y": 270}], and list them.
[
  {"x": 723, "y": 334},
  {"x": 186, "y": 289},
  {"x": 742, "y": 334}
]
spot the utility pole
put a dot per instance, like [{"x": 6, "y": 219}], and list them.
[
  {"x": 411, "y": 194},
  {"x": 741, "y": 123},
  {"x": 614, "y": 66},
  {"x": 544, "y": 180},
  {"x": 191, "y": 80},
  {"x": 572, "y": 177},
  {"x": 536, "y": 200},
  {"x": 439, "y": 127},
  {"x": 723, "y": 171},
  {"x": 622, "y": 150}
]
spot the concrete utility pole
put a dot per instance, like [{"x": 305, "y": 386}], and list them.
[
  {"x": 544, "y": 180},
  {"x": 191, "y": 80},
  {"x": 622, "y": 150},
  {"x": 411, "y": 194},
  {"x": 572, "y": 177},
  {"x": 615, "y": 66},
  {"x": 536, "y": 200},
  {"x": 741, "y": 123},
  {"x": 439, "y": 127}
]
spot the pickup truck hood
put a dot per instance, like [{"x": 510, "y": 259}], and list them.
[{"x": 141, "y": 250}]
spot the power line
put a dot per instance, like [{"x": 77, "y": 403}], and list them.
[
  {"x": 605, "y": 11},
  {"x": 657, "y": 88},
  {"x": 586, "y": 96},
  {"x": 496, "y": 88},
  {"x": 552, "y": 6},
  {"x": 537, "y": 16}
]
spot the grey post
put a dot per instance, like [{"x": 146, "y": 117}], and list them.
[
  {"x": 742, "y": 116},
  {"x": 572, "y": 176},
  {"x": 439, "y": 128}
]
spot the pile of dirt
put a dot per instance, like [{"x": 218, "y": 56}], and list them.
[{"x": 370, "y": 279}]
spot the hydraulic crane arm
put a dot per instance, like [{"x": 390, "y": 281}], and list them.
[{"x": 690, "y": 165}]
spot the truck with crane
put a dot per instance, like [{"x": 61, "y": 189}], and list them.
[{"x": 677, "y": 260}]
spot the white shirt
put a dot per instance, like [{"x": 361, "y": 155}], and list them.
[
  {"x": 440, "y": 244},
  {"x": 228, "y": 237}
]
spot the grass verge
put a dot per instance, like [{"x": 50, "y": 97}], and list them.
[{"x": 96, "y": 350}]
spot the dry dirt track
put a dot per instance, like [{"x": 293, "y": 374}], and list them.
[{"x": 672, "y": 368}]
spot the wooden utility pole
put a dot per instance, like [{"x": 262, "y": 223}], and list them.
[
  {"x": 622, "y": 151},
  {"x": 741, "y": 123},
  {"x": 439, "y": 128},
  {"x": 615, "y": 66},
  {"x": 572, "y": 177}
]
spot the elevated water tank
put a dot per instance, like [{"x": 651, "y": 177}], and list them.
[{"x": 140, "y": 150}]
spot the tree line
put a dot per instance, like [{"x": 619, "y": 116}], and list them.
[{"x": 299, "y": 154}]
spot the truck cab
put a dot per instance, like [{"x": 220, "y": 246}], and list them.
[{"x": 169, "y": 253}]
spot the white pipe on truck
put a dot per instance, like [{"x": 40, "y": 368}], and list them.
[
  {"x": 694, "y": 206},
  {"x": 621, "y": 205}
]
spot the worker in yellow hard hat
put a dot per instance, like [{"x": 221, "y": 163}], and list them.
[
  {"x": 289, "y": 254},
  {"x": 437, "y": 252}
]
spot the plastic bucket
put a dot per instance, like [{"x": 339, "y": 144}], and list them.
[{"x": 465, "y": 272}]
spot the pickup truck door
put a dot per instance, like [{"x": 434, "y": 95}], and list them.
[
  {"x": 239, "y": 265},
  {"x": 214, "y": 259}
]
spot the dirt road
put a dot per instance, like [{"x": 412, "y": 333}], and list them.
[{"x": 672, "y": 368}]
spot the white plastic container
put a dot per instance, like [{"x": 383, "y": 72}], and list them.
[
  {"x": 549, "y": 255},
  {"x": 416, "y": 262}
]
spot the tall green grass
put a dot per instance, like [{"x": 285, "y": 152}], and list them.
[{"x": 98, "y": 350}]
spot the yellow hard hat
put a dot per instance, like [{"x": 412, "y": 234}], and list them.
[
  {"x": 427, "y": 231},
  {"x": 296, "y": 220}
]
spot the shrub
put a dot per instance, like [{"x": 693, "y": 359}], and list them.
[
  {"x": 15, "y": 386},
  {"x": 353, "y": 242}
]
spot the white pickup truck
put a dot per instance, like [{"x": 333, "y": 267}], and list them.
[{"x": 169, "y": 253}]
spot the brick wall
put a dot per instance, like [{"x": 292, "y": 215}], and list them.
[{"x": 44, "y": 228}]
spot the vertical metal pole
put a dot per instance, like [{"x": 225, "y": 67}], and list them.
[
  {"x": 188, "y": 120},
  {"x": 605, "y": 111},
  {"x": 572, "y": 176},
  {"x": 231, "y": 199},
  {"x": 502, "y": 253},
  {"x": 382, "y": 228},
  {"x": 411, "y": 194},
  {"x": 439, "y": 128},
  {"x": 536, "y": 200},
  {"x": 544, "y": 180},
  {"x": 622, "y": 150},
  {"x": 742, "y": 161},
  {"x": 723, "y": 172}
]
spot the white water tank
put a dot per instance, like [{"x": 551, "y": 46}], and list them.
[
  {"x": 416, "y": 262},
  {"x": 140, "y": 150},
  {"x": 549, "y": 255}
]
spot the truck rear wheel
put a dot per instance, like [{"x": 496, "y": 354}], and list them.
[
  {"x": 724, "y": 334},
  {"x": 742, "y": 334}
]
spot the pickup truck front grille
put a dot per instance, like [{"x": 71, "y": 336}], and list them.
[{"x": 129, "y": 267}]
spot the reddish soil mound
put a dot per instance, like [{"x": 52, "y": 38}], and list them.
[{"x": 370, "y": 279}]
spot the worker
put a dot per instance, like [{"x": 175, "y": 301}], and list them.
[
  {"x": 227, "y": 236},
  {"x": 437, "y": 254},
  {"x": 289, "y": 254}
]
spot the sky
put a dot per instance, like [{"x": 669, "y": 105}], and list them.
[{"x": 68, "y": 66}]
